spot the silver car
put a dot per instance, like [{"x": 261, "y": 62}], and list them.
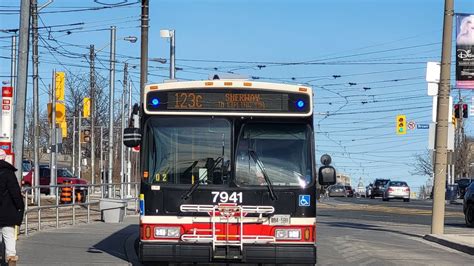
[
  {"x": 396, "y": 190},
  {"x": 337, "y": 191}
]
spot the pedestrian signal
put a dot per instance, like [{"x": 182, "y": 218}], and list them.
[
  {"x": 401, "y": 124},
  {"x": 86, "y": 136}
]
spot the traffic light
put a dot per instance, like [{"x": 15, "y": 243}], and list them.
[
  {"x": 401, "y": 124},
  {"x": 86, "y": 136},
  {"x": 461, "y": 110},
  {"x": 457, "y": 112},
  {"x": 465, "y": 110}
]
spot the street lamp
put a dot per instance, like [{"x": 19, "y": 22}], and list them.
[
  {"x": 159, "y": 60},
  {"x": 131, "y": 39},
  {"x": 170, "y": 34}
]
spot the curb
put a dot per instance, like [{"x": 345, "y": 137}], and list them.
[{"x": 454, "y": 245}]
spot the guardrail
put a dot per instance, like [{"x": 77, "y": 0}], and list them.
[{"x": 48, "y": 206}]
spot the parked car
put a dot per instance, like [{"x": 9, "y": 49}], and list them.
[
  {"x": 349, "y": 191},
  {"x": 396, "y": 190},
  {"x": 63, "y": 174},
  {"x": 378, "y": 187},
  {"x": 463, "y": 183},
  {"x": 337, "y": 191},
  {"x": 468, "y": 205}
]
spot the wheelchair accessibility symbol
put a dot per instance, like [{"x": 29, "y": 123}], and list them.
[{"x": 304, "y": 200}]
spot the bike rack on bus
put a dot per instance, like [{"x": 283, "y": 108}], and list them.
[{"x": 226, "y": 213}]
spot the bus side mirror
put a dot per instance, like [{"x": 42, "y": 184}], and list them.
[
  {"x": 327, "y": 175},
  {"x": 132, "y": 137}
]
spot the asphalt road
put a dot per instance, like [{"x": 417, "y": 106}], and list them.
[
  {"x": 413, "y": 212},
  {"x": 372, "y": 232}
]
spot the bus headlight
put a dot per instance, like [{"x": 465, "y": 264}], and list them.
[
  {"x": 167, "y": 232},
  {"x": 291, "y": 234}
]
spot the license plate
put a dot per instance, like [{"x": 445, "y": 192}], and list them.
[{"x": 280, "y": 219}]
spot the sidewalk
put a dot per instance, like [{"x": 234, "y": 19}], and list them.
[
  {"x": 96, "y": 243},
  {"x": 461, "y": 242}
]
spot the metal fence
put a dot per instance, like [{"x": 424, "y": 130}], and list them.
[{"x": 54, "y": 211}]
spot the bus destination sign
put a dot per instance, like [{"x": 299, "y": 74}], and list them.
[{"x": 227, "y": 100}]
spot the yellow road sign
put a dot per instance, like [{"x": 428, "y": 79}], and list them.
[{"x": 60, "y": 81}]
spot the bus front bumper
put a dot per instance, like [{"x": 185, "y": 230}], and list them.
[{"x": 272, "y": 253}]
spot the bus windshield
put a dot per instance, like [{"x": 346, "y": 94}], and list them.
[
  {"x": 283, "y": 149},
  {"x": 187, "y": 150}
]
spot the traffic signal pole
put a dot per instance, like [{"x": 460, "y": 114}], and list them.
[
  {"x": 441, "y": 137},
  {"x": 36, "y": 126},
  {"x": 74, "y": 145},
  {"x": 92, "y": 103},
  {"x": 54, "y": 135},
  {"x": 79, "y": 155}
]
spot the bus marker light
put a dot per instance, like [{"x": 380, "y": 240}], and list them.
[
  {"x": 303, "y": 89},
  {"x": 155, "y": 102},
  {"x": 248, "y": 84},
  {"x": 209, "y": 83},
  {"x": 300, "y": 104},
  {"x": 306, "y": 234},
  {"x": 145, "y": 174},
  {"x": 228, "y": 83},
  {"x": 154, "y": 87},
  {"x": 147, "y": 232}
]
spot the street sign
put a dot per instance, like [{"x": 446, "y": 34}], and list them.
[
  {"x": 411, "y": 125},
  {"x": 423, "y": 126}
]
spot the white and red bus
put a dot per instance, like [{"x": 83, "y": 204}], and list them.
[{"x": 228, "y": 173}]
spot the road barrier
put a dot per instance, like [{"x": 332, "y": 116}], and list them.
[
  {"x": 47, "y": 209},
  {"x": 66, "y": 193}
]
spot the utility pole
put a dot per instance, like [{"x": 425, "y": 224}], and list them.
[
  {"x": 54, "y": 142},
  {"x": 35, "y": 59},
  {"x": 101, "y": 150},
  {"x": 22, "y": 70},
  {"x": 79, "y": 148},
  {"x": 172, "y": 55},
  {"x": 441, "y": 137},
  {"x": 92, "y": 106},
  {"x": 111, "y": 108},
  {"x": 129, "y": 150},
  {"x": 13, "y": 64},
  {"x": 122, "y": 146},
  {"x": 73, "y": 145},
  {"x": 144, "y": 49}
]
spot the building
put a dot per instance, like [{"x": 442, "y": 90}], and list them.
[{"x": 342, "y": 178}]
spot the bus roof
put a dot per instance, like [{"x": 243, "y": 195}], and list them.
[{"x": 227, "y": 83}]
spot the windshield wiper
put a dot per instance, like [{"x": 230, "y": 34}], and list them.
[
  {"x": 259, "y": 163},
  {"x": 196, "y": 184}
]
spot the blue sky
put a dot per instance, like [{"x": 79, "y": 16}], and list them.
[{"x": 365, "y": 59}]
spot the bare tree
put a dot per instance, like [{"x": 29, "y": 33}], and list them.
[{"x": 423, "y": 164}]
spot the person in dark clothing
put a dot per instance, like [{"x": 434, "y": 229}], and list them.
[{"x": 11, "y": 207}]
